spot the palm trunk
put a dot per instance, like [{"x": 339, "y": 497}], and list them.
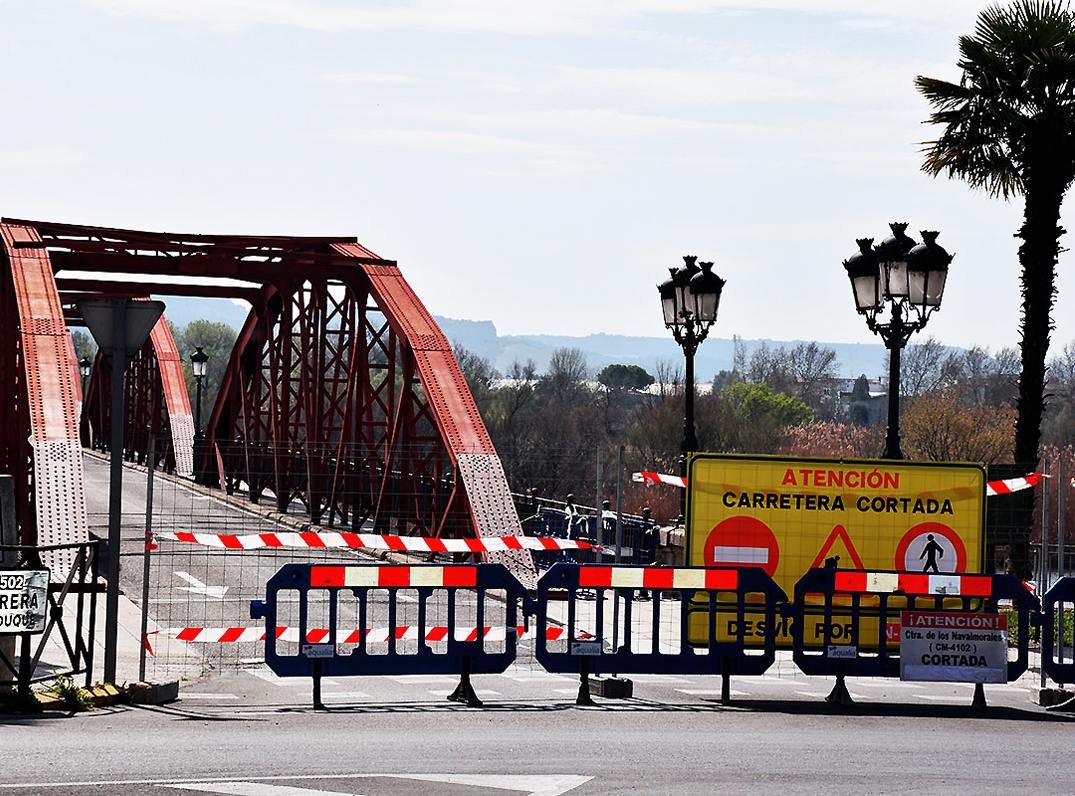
[{"x": 1038, "y": 255}]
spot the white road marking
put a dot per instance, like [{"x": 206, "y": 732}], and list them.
[
  {"x": 254, "y": 789},
  {"x": 269, "y": 677},
  {"x": 208, "y": 696},
  {"x": 532, "y": 785},
  {"x": 197, "y": 587},
  {"x": 823, "y": 694},
  {"x": 344, "y": 695},
  {"x": 939, "y": 697},
  {"x": 886, "y": 684}
]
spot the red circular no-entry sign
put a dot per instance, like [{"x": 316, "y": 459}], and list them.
[{"x": 742, "y": 542}]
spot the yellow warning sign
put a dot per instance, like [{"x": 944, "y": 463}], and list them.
[{"x": 787, "y": 515}]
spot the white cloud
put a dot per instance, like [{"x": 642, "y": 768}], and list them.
[
  {"x": 535, "y": 18},
  {"x": 463, "y": 143},
  {"x": 376, "y": 79},
  {"x": 42, "y": 156}
]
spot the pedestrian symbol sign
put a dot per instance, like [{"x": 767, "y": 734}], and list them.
[{"x": 931, "y": 547}]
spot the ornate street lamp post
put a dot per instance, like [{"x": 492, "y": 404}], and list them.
[
  {"x": 897, "y": 285},
  {"x": 199, "y": 364},
  {"x": 85, "y": 367},
  {"x": 689, "y": 299}
]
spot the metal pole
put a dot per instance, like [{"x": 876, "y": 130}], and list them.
[
  {"x": 197, "y": 427},
  {"x": 1060, "y": 555},
  {"x": 198, "y": 411},
  {"x": 145, "y": 560},
  {"x": 690, "y": 440},
  {"x": 9, "y": 536},
  {"x": 619, "y": 553},
  {"x": 619, "y": 507},
  {"x": 119, "y": 365},
  {"x": 895, "y": 344},
  {"x": 597, "y": 500},
  {"x": 1043, "y": 550}
]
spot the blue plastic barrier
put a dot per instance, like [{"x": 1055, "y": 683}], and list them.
[
  {"x": 843, "y": 620},
  {"x": 1061, "y": 594},
  {"x": 391, "y": 619},
  {"x": 654, "y": 637}
]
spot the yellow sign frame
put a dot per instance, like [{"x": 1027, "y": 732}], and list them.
[{"x": 788, "y": 514}]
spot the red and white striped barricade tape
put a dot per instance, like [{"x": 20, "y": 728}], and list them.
[
  {"x": 1013, "y": 484},
  {"x": 992, "y": 488},
  {"x": 373, "y": 635},
  {"x": 659, "y": 478},
  {"x": 407, "y": 544}
]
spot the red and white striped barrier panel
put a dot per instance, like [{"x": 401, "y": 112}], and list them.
[
  {"x": 409, "y": 544},
  {"x": 992, "y": 488},
  {"x": 394, "y": 575},
  {"x": 915, "y": 583},
  {"x": 373, "y": 635},
  {"x": 657, "y": 578}
]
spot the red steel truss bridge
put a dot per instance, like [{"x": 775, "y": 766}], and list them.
[{"x": 341, "y": 392}]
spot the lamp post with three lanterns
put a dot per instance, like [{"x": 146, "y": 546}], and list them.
[
  {"x": 897, "y": 285},
  {"x": 690, "y": 298}
]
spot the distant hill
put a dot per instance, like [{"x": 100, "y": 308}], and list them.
[
  {"x": 714, "y": 355},
  {"x": 480, "y": 337},
  {"x": 181, "y": 310}
]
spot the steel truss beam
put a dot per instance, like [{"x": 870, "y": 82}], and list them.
[{"x": 341, "y": 393}]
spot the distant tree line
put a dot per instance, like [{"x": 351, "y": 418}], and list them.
[{"x": 956, "y": 405}]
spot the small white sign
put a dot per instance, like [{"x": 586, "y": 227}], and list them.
[
  {"x": 945, "y": 646},
  {"x": 585, "y": 647},
  {"x": 318, "y": 650},
  {"x": 843, "y": 651},
  {"x": 23, "y": 600}
]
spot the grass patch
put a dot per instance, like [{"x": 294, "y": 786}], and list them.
[{"x": 69, "y": 695}]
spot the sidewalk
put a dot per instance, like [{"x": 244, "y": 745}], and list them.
[{"x": 186, "y": 664}]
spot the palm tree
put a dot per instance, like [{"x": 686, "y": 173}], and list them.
[{"x": 1009, "y": 128}]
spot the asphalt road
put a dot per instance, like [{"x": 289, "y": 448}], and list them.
[
  {"x": 786, "y": 746},
  {"x": 239, "y": 729}
]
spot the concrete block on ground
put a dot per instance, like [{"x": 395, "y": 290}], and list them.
[
  {"x": 1055, "y": 698},
  {"x": 612, "y": 687},
  {"x": 153, "y": 693}
]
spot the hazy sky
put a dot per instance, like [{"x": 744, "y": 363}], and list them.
[{"x": 536, "y": 164}]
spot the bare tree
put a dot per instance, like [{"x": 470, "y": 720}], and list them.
[
  {"x": 565, "y": 381},
  {"x": 770, "y": 367},
  {"x": 928, "y": 366},
  {"x": 669, "y": 377},
  {"x": 813, "y": 369}
]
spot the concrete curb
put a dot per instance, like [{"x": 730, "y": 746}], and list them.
[{"x": 100, "y": 696}]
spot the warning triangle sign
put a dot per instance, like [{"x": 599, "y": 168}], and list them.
[{"x": 839, "y": 532}]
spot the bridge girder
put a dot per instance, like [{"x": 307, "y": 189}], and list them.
[{"x": 341, "y": 392}]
